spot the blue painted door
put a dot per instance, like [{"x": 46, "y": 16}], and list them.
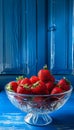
[
  {"x": 61, "y": 38},
  {"x": 34, "y": 33},
  {"x": 23, "y": 36},
  {"x": 60, "y": 35}
]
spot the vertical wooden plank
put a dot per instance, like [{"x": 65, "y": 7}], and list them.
[
  {"x": 70, "y": 54},
  {"x": 73, "y": 40},
  {"x": 16, "y": 5},
  {"x": 51, "y": 34},
  {"x": 31, "y": 36},
  {"x": 61, "y": 35},
  {"x": 11, "y": 34},
  {"x": 23, "y": 37},
  {"x": 7, "y": 33},
  {"x": 41, "y": 34},
  {"x": 68, "y": 17},
  {"x": 60, "y": 45},
  {"x": 1, "y": 36},
  {"x": 20, "y": 35},
  {"x": 64, "y": 40}
]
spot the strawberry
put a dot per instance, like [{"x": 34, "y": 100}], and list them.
[
  {"x": 49, "y": 86},
  {"x": 19, "y": 79},
  {"x": 52, "y": 79},
  {"x": 39, "y": 88},
  {"x": 44, "y": 74},
  {"x": 51, "y": 99},
  {"x": 23, "y": 89},
  {"x": 26, "y": 81},
  {"x": 13, "y": 86},
  {"x": 38, "y": 100},
  {"x": 56, "y": 90},
  {"x": 64, "y": 84},
  {"x": 54, "y": 98},
  {"x": 34, "y": 79}
]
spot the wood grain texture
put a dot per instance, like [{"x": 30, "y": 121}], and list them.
[
  {"x": 1, "y": 35},
  {"x": 59, "y": 40},
  {"x": 31, "y": 36},
  {"x": 41, "y": 34},
  {"x": 28, "y": 39}
]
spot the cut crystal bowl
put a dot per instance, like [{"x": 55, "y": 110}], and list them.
[{"x": 38, "y": 107}]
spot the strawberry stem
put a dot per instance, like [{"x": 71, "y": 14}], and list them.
[
  {"x": 45, "y": 67},
  {"x": 9, "y": 88},
  {"x": 35, "y": 84},
  {"x": 26, "y": 86},
  {"x": 19, "y": 78},
  {"x": 59, "y": 86},
  {"x": 67, "y": 80}
]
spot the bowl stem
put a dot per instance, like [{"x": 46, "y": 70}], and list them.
[{"x": 38, "y": 119}]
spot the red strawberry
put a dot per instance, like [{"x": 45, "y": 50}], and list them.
[
  {"x": 64, "y": 84},
  {"x": 34, "y": 79},
  {"x": 54, "y": 98},
  {"x": 38, "y": 100},
  {"x": 25, "y": 81},
  {"x": 52, "y": 79},
  {"x": 44, "y": 74},
  {"x": 49, "y": 86},
  {"x": 19, "y": 79},
  {"x": 13, "y": 85},
  {"x": 39, "y": 88},
  {"x": 51, "y": 99},
  {"x": 56, "y": 90},
  {"x": 23, "y": 89}
]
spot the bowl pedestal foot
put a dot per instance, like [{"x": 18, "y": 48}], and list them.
[{"x": 37, "y": 119}]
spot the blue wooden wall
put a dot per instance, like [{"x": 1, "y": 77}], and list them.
[{"x": 34, "y": 33}]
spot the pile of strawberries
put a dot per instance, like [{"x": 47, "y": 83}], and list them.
[{"x": 42, "y": 84}]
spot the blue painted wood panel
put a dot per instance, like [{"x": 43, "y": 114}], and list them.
[
  {"x": 23, "y": 36},
  {"x": 60, "y": 38},
  {"x": 31, "y": 36},
  {"x": 34, "y": 33},
  {"x": 1, "y": 36},
  {"x": 41, "y": 34},
  {"x": 11, "y": 36}
]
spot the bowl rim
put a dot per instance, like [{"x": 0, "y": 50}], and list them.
[{"x": 39, "y": 95}]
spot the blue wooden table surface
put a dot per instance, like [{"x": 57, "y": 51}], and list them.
[{"x": 11, "y": 118}]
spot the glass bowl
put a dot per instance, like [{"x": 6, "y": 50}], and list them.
[{"x": 38, "y": 107}]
